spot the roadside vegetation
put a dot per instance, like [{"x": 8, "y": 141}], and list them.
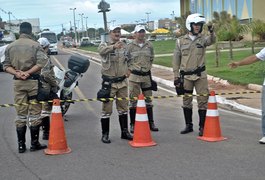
[
  {"x": 230, "y": 32},
  {"x": 243, "y": 75}
]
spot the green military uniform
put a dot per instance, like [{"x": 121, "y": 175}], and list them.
[
  {"x": 141, "y": 58},
  {"x": 189, "y": 62},
  {"x": 114, "y": 70},
  {"x": 22, "y": 55}
]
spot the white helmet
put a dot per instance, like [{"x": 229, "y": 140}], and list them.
[
  {"x": 194, "y": 18},
  {"x": 43, "y": 42}
]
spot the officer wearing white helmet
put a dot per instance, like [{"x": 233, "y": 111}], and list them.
[
  {"x": 44, "y": 42},
  {"x": 189, "y": 69},
  {"x": 49, "y": 89}
]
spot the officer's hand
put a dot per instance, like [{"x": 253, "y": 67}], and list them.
[
  {"x": 24, "y": 75},
  {"x": 233, "y": 65},
  {"x": 210, "y": 28},
  {"x": 118, "y": 45},
  {"x": 18, "y": 74}
]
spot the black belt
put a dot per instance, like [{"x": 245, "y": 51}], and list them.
[
  {"x": 140, "y": 73},
  {"x": 196, "y": 71},
  {"x": 113, "y": 80},
  {"x": 31, "y": 77}
]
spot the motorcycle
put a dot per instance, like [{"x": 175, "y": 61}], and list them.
[{"x": 68, "y": 79}]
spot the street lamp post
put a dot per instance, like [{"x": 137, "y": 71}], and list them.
[
  {"x": 147, "y": 13},
  {"x": 73, "y": 9},
  {"x": 104, "y": 7},
  {"x": 86, "y": 26},
  {"x": 9, "y": 13},
  {"x": 95, "y": 30},
  {"x": 82, "y": 28}
]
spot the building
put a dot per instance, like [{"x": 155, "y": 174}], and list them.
[
  {"x": 244, "y": 10},
  {"x": 14, "y": 25}
]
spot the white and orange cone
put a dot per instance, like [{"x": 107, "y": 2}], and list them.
[
  {"x": 212, "y": 130},
  {"x": 142, "y": 134},
  {"x": 57, "y": 140}
]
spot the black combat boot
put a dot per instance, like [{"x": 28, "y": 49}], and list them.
[
  {"x": 202, "y": 115},
  {"x": 151, "y": 119},
  {"x": 46, "y": 128},
  {"x": 132, "y": 119},
  {"x": 123, "y": 119},
  {"x": 188, "y": 121},
  {"x": 105, "y": 130},
  {"x": 21, "y": 133},
  {"x": 35, "y": 144}
]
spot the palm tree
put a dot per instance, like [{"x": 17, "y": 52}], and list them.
[
  {"x": 228, "y": 29},
  {"x": 257, "y": 28}
]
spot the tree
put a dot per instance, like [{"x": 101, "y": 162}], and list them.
[
  {"x": 227, "y": 28},
  {"x": 182, "y": 23},
  {"x": 257, "y": 28}
]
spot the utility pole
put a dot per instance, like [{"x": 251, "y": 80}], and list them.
[
  {"x": 86, "y": 26},
  {"x": 73, "y": 9},
  {"x": 70, "y": 27},
  {"x": 95, "y": 30},
  {"x": 62, "y": 30},
  {"x": 82, "y": 28},
  {"x": 104, "y": 7},
  {"x": 173, "y": 16},
  {"x": 9, "y": 13},
  {"x": 147, "y": 13}
]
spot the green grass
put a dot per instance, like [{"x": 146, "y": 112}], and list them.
[
  {"x": 253, "y": 73},
  {"x": 90, "y": 48},
  {"x": 164, "y": 47}
]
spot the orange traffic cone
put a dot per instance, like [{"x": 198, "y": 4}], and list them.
[
  {"x": 57, "y": 140},
  {"x": 142, "y": 135},
  {"x": 212, "y": 130}
]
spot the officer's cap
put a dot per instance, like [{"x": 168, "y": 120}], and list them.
[
  {"x": 138, "y": 28},
  {"x": 111, "y": 28}
]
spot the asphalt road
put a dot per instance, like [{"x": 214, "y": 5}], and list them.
[{"x": 176, "y": 156}]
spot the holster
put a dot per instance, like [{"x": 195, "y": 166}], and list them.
[
  {"x": 104, "y": 92},
  {"x": 153, "y": 86},
  {"x": 179, "y": 86},
  {"x": 43, "y": 94}
]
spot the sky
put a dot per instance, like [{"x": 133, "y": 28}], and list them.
[{"x": 55, "y": 13}]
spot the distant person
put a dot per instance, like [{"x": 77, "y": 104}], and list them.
[
  {"x": 141, "y": 56},
  {"x": 190, "y": 71},
  {"x": 250, "y": 60},
  {"x": 50, "y": 88},
  {"x": 24, "y": 58},
  {"x": 114, "y": 82}
]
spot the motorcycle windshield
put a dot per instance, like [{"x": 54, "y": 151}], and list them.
[{"x": 59, "y": 74}]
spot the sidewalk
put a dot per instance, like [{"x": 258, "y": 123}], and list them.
[{"x": 248, "y": 103}]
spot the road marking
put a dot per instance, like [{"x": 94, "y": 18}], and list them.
[{"x": 76, "y": 89}]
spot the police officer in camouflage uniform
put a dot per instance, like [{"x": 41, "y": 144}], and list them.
[
  {"x": 189, "y": 69},
  {"x": 24, "y": 59},
  {"x": 114, "y": 74},
  {"x": 141, "y": 54},
  {"x": 50, "y": 88}
]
